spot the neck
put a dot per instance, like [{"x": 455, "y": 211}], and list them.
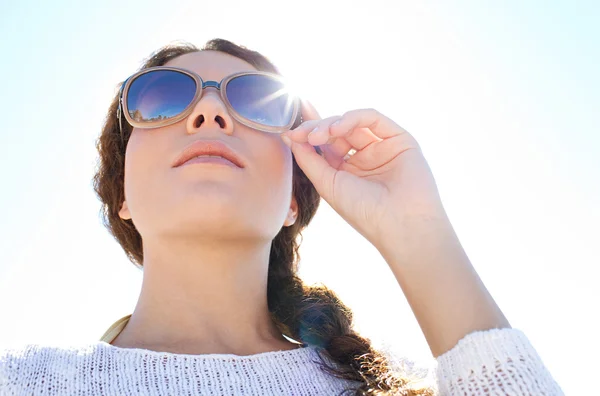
[{"x": 204, "y": 297}]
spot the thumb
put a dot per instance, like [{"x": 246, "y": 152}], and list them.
[{"x": 315, "y": 167}]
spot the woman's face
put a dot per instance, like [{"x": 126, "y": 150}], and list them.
[{"x": 212, "y": 202}]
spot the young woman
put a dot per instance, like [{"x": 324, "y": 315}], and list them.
[{"x": 208, "y": 173}]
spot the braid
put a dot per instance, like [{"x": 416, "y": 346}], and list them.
[{"x": 314, "y": 315}]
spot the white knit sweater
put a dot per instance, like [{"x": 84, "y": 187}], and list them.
[{"x": 492, "y": 362}]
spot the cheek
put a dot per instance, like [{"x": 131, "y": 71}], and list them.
[
  {"x": 275, "y": 160},
  {"x": 141, "y": 163},
  {"x": 273, "y": 176}
]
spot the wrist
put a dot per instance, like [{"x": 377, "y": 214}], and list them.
[
  {"x": 420, "y": 238},
  {"x": 413, "y": 230}
]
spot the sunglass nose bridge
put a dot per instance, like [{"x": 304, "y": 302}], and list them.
[{"x": 213, "y": 84}]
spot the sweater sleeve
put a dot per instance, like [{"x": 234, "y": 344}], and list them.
[{"x": 494, "y": 362}]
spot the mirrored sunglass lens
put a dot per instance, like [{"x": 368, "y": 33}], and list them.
[
  {"x": 159, "y": 95},
  {"x": 261, "y": 99}
]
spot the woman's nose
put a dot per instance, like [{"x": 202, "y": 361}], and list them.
[{"x": 210, "y": 112}]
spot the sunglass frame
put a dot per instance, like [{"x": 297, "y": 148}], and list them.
[{"x": 200, "y": 86}]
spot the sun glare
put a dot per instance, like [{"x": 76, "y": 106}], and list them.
[{"x": 295, "y": 87}]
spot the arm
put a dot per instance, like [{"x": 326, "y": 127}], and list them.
[
  {"x": 443, "y": 289},
  {"x": 386, "y": 191},
  {"x": 476, "y": 348}
]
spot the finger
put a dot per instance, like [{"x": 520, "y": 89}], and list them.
[
  {"x": 323, "y": 133},
  {"x": 316, "y": 168},
  {"x": 310, "y": 118},
  {"x": 300, "y": 134},
  {"x": 319, "y": 131},
  {"x": 338, "y": 148},
  {"x": 319, "y": 135},
  {"x": 380, "y": 125},
  {"x": 381, "y": 153},
  {"x": 301, "y": 131},
  {"x": 358, "y": 138},
  {"x": 332, "y": 159}
]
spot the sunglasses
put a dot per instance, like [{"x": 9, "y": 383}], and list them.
[{"x": 159, "y": 96}]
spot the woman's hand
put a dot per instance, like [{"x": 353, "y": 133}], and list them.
[
  {"x": 382, "y": 186},
  {"x": 387, "y": 192}
]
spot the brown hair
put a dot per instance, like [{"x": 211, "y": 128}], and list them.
[{"x": 313, "y": 315}]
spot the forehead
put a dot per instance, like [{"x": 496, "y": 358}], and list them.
[{"x": 211, "y": 65}]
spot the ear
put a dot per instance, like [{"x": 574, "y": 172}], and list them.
[
  {"x": 124, "y": 212},
  {"x": 292, "y": 213}
]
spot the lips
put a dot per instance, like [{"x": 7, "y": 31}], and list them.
[{"x": 208, "y": 147}]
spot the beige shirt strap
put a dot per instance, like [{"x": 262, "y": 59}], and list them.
[{"x": 114, "y": 330}]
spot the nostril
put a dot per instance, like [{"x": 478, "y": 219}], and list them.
[
  {"x": 221, "y": 121},
  {"x": 199, "y": 120}
]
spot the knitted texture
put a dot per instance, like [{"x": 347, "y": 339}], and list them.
[{"x": 492, "y": 362}]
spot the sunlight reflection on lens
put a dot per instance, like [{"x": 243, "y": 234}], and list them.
[{"x": 275, "y": 95}]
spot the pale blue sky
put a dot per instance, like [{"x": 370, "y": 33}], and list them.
[{"x": 504, "y": 98}]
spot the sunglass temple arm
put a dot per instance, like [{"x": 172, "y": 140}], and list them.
[{"x": 120, "y": 110}]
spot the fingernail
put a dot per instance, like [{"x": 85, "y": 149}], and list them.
[
  {"x": 286, "y": 140},
  {"x": 336, "y": 123}
]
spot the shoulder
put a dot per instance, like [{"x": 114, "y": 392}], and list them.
[
  {"x": 16, "y": 363},
  {"x": 21, "y": 354},
  {"x": 16, "y": 357},
  {"x": 35, "y": 362}
]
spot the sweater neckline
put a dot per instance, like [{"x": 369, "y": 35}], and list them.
[{"x": 300, "y": 351}]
